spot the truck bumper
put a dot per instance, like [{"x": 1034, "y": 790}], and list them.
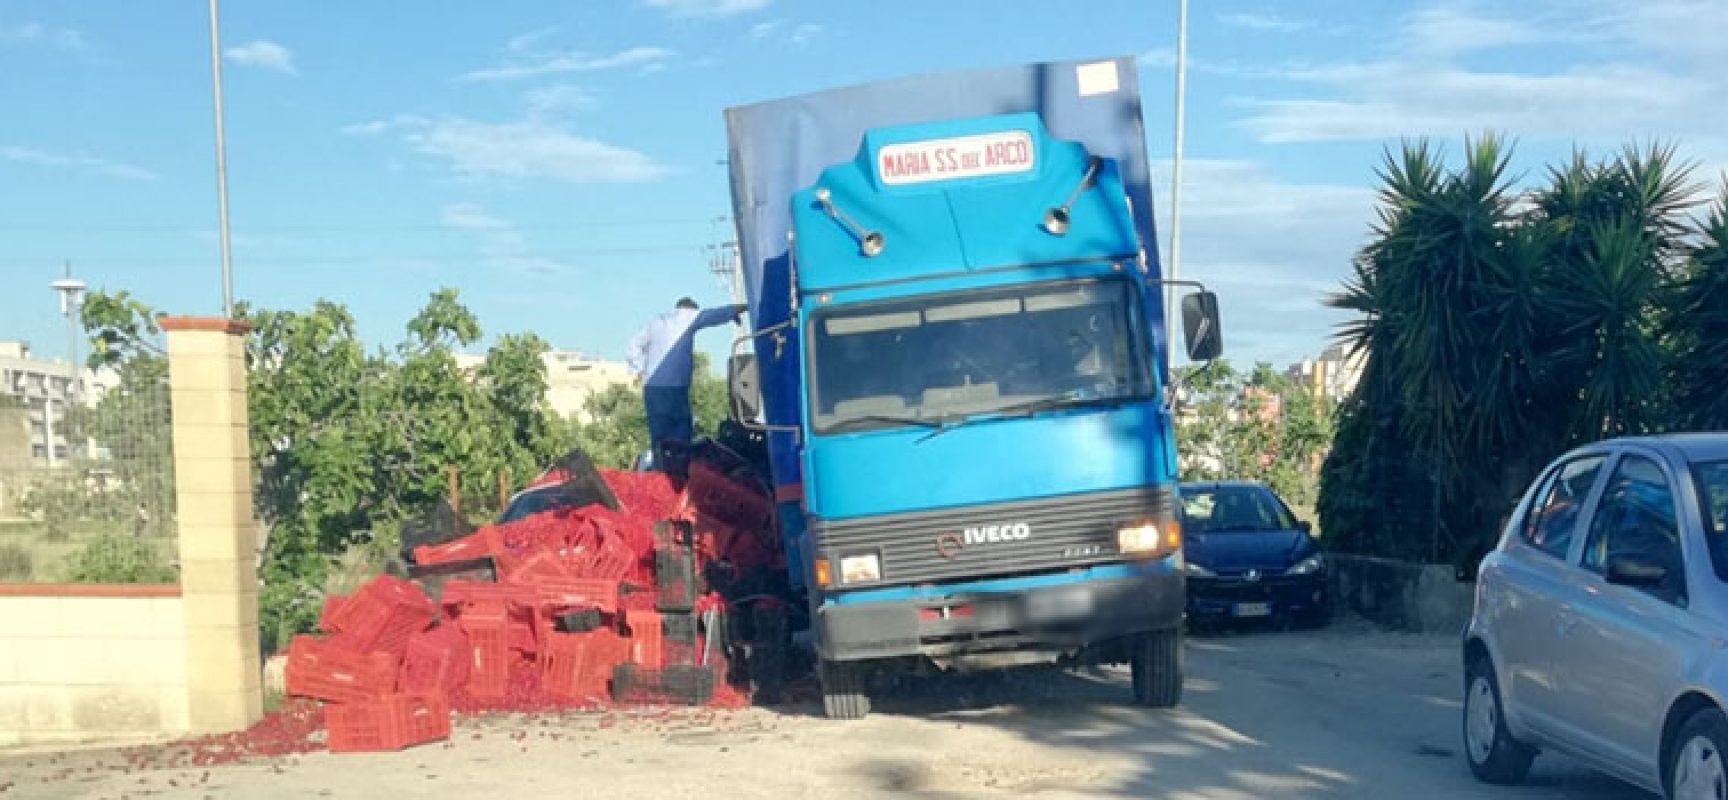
[{"x": 1062, "y": 618}]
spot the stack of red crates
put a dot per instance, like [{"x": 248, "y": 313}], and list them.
[{"x": 383, "y": 672}]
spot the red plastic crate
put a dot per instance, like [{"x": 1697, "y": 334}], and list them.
[
  {"x": 382, "y": 615},
  {"x": 646, "y": 638},
  {"x": 611, "y": 560},
  {"x": 573, "y": 593},
  {"x": 327, "y": 670},
  {"x": 543, "y": 565},
  {"x": 437, "y": 660},
  {"x": 578, "y": 666},
  {"x": 469, "y": 594},
  {"x": 388, "y": 723},
  {"x": 488, "y": 658},
  {"x": 327, "y": 616},
  {"x": 734, "y": 503}
]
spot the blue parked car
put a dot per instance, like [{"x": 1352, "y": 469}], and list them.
[{"x": 1248, "y": 557}]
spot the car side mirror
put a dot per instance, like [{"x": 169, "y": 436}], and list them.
[
  {"x": 1201, "y": 328},
  {"x": 1305, "y": 526},
  {"x": 1637, "y": 572},
  {"x": 744, "y": 387}
]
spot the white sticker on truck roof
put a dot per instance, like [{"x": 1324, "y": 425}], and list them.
[{"x": 1097, "y": 78}]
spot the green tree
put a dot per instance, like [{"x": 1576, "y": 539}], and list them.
[{"x": 1700, "y": 328}]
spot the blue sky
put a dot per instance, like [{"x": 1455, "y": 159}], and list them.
[{"x": 556, "y": 161}]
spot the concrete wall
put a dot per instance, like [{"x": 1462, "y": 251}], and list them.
[
  {"x": 86, "y": 662},
  {"x": 1420, "y": 598}
]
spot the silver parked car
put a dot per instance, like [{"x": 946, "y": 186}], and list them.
[{"x": 1601, "y": 620}]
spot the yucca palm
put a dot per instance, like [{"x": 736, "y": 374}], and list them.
[
  {"x": 1616, "y": 240},
  {"x": 1700, "y": 327}
]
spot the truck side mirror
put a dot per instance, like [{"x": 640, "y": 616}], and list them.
[
  {"x": 1201, "y": 330},
  {"x": 744, "y": 387}
]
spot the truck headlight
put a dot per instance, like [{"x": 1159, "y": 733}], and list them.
[
  {"x": 861, "y": 568},
  {"x": 1149, "y": 538},
  {"x": 1308, "y": 566}
]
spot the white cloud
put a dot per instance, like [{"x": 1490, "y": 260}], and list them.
[
  {"x": 558, "y": 63},
  {"x": 1390, "y": 99},
  {"x": 708, "y": 8},
  {"x": 766, "y": 30},
  {"x": 471, "y": 217},
  {"x": 1270, "y": 23},
  {"x": 560, "y": 97},
  {"x": 1616, "y": 75},
  {"x": 502, "y": 245},
  {"x": 35, "y": 33},
  {"x": 1272, "y": 249},
  {"x": 529, "y": 149},
  {"x": 80, "y": 163},
  {"x": 263, "y": 54},
  {"x": 806, "y": 33},
  {"x": 800, "y": 35},
  {"x": 381, "y": 126},
  {"x": 529, "y": 42},
  {"x": 1452, "y": 29}
]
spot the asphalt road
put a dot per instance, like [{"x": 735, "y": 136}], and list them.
[{"x": 1348, "y": 712}]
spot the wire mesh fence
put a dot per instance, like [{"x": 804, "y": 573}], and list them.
[{"x": 86, "y": 470}]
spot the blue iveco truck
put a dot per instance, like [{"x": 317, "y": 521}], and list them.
[{"x": 956, "y": 348}]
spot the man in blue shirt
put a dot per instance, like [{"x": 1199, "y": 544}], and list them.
[{"x": 660, "y": 356}]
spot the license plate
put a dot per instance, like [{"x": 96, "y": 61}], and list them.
[
  {"x": 1059, "y": 605},
  {"x": 1253, "y": 609}
]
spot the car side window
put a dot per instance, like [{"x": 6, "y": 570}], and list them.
[
  {"x": 1552, "y": 518},
  {"x": 1637, "y": 518}
]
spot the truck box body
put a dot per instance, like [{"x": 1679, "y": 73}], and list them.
[{"x": 975, "y": 410}]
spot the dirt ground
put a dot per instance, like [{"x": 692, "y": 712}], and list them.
[{"x": 1347, "y": 712}]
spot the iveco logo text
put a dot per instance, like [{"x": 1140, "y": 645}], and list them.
[{"x": 989, "y": 534}]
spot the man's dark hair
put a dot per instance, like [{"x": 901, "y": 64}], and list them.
[{"x": 685, "y": 302}]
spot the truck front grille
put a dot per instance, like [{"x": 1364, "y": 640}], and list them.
[{"x": 930, "y": 546}]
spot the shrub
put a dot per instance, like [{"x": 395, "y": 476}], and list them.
[
  {"x": 15, "y": 563},
  {"x": 119, "y": 558}
]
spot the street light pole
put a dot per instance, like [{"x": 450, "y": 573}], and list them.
[
  {"x": 70, "y": 289},
  {"x": 221, "y": 164},
  {"x": 1173, "y": 319}
]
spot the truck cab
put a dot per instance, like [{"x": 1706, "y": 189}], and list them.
[{"x": 985, "y": 456}]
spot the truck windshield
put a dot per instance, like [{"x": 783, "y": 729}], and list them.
[{"x": 940, "y": 358}]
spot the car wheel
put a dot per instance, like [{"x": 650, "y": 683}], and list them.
[
  {"x": 1156, "y": 668},
  {"x": 1697, "y": 767},
  {"x": 1494, "y": 756},
  {"x": 843, "y": 695}
]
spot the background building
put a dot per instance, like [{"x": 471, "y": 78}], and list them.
[
  {"x": 1333, "y": 375},
  {"x": 45, "y": 389},
  {"x": 571, "y": 378}
]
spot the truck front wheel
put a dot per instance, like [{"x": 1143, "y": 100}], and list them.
[
  {"x": 843, "y": 695},
  {"x": 1156, "y": 667}
]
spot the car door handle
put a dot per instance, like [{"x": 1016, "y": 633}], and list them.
[{"x": 1566, "y": 619}]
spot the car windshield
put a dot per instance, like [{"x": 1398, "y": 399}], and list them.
[
  {"x": 1229, "y": 509},
  {"x": 528, "y": 504},
  {"x": 1713, "y": 496},
  {"x": 944, "y": 357}
]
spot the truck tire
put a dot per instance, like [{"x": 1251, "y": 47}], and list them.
[
  {"x": 1156, "y": 667},
  {"x": 843, "y": 695}
]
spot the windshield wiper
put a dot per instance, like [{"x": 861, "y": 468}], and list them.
[
  {"x": 1027, "y": 409},
  {"x": 851, "y": 423}
]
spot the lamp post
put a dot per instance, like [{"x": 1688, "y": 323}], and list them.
[
  {"x": 1175, "y": 183},
  {"x": 69, "y": 289},
  {"x": 221, "y": 164}
]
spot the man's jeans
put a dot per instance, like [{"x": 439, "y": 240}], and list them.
[{"x": 668, "y": 410}]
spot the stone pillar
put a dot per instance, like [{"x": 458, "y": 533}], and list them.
[{"x": 213, "y": 490}]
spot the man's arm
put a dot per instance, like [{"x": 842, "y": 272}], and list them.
[
  {"x": 718, "y": 315},
  {"x": 636, "y": 354}
]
